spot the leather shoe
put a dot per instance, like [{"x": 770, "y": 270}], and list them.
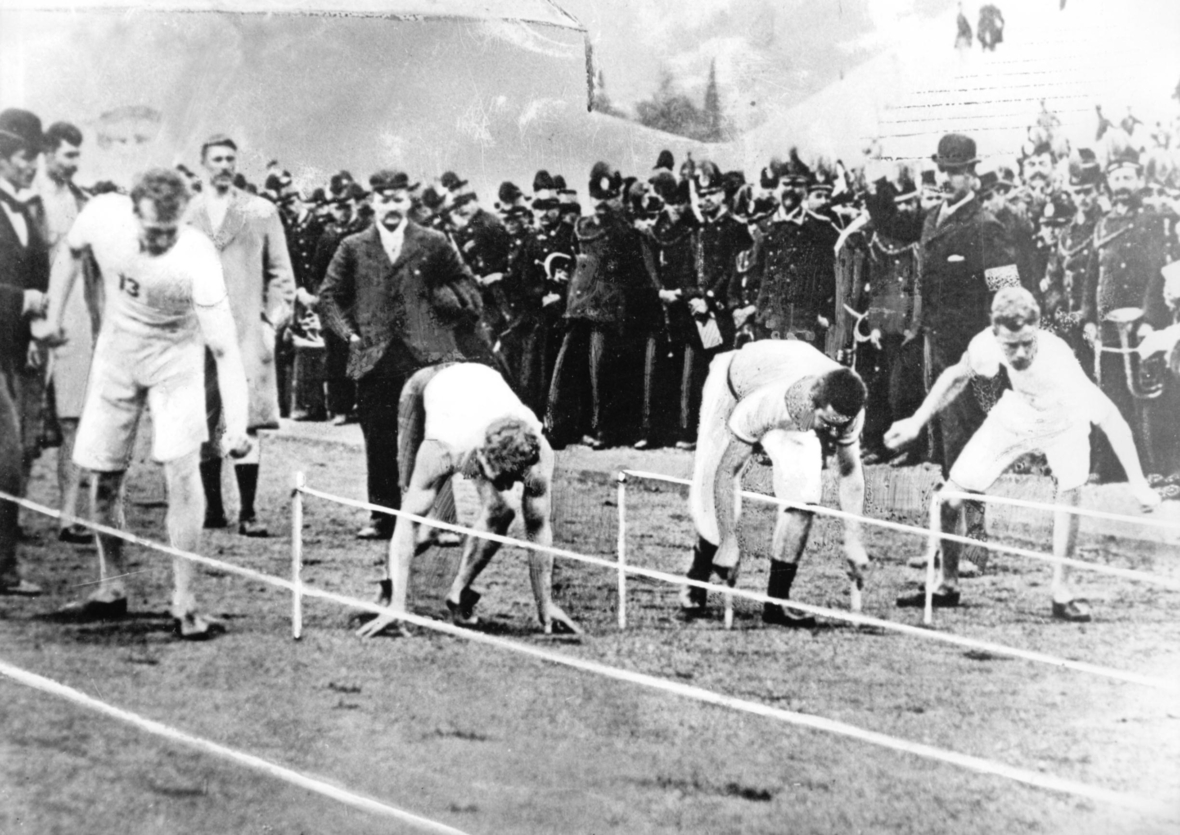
[
  {"x": 463, "y": 612},
  {"x": 1075, "y": 611},
  {"x": 642, "y": 443},
  {"x": 252, "y": 527},
  {"x": 693, "y": 601},
  {"x": 22, "y": 588},
  {"x": 76, "y": 535},
  {"x": 196, "y": 627},
  {"x": 939, "y": 600},
  {"x": 776, "y": 615},
  {"x": 375, "y": 531},
  {"x": 593, "y": 442},
  {"x": 216, "y": 520},
  {"x": 93, "y": 609}
]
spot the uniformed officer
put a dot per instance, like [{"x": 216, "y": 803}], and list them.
[{"x": 1132, "y": 243}]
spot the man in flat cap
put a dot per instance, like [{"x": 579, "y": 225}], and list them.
[
  {"x": 249, "y": 238},
  {"x": 24, "y": 278},
  {"x": 402, "y": 299},
  {"x": 1132, "y": 243}
]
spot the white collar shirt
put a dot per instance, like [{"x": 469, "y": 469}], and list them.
[
  {"x": 17, "y": 219},
  {"x": 392, "y": 242}
]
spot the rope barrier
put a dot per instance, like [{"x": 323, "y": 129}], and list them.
[
  {"x": 287, "y": 775},
  {"x": 966, "y": 761},
  {"x": 834, "y": 614},
  {"x": 988, "y": 498},
  {"x": 1098, "y": 568}
]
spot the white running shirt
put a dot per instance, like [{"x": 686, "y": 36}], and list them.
[
  {"x": 149, "y": 306},
  {"x": 1052, "y": 395},
  {"x": 462, "y": 400}
]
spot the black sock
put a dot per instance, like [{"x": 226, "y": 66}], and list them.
[
  {"x": 211, "y": 482},
  {"x": 782, "y": 576},
  {"x": 247, "y": 486},
  {"x": 702, "y": 560}
]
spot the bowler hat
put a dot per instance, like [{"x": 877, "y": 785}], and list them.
[
  {"x": 431, "y": 199},
  {"x": 955, "y": 151},
  {"x": 389, "y": 180},
  {"x": 543, "y": 182},
  {"x": 23, "y": 126},
  {"x": 990, "y": 181},
  {"x": 450, "y": 181}
]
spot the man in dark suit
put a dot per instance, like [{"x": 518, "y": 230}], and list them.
[
  {"x": 402, "y": 299},
  {"x": 966, "y": 258},
  {"x": 24, "y": 278}
]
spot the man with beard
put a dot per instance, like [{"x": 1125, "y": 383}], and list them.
[
  {"x": 304, "y": 231},
  {"x": 538, "y": 288},
  {"x": 795, "y": 279},
  {"x": 716, "y": 244},
  {"x": 1048, "y": 408},
  {"x": 1067, "y": 274},
  {"x": 344, "y": 222},
  {"x": 61, "y": 200},
  {"x": 484, "y": 244},
  {"x": 878, "y": 263},
  {"x": 592, "y": 362},
  {"x": 399, "y": 295},
  {"x": 1131, "y": 244},
  {"x": 965, "y": 260},
  {"x": 249, "y": 238},
  {"x": 1020, "y": 230},
  {"x": 24, "y": 278}
]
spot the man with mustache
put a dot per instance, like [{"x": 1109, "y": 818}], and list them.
[
  {"x": 24, "y": 278},
  {"x": 249, "y": 238},
  {"x": 402, "y": 299},
  {"x": 1132, "y": 242}
]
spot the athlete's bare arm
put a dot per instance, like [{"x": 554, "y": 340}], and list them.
[
  {"x": 62, "y": 278},
  {"x": 852, "y": 501},
  {"x": 217, "y": 326},
  {"x": 1115, "y": 427},
  {"x": 535, "y": 505},
  {"x": 946, "y": 388}
]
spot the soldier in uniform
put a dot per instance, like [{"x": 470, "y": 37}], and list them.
[
  {"x": 793, "y": 286},
  {"x": 345, "y": 221},
  {"x": 303, "y": 230},
  {"x": 1131, "y": 244},
  {"x": 1020, "y": 230},
  {"x": 879, "y": 263},
  {"x": 537, "y": 284},
  {"x": 592, "y": 362},
  {"x": 484, "y": 244},
  {"x": 1067, "y": 275}
]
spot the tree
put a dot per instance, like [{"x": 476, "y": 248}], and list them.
[
  {"x": 602, "y": 102},
  {"x": 673, "y": 112},
  {"x": 712, "y": 112}
]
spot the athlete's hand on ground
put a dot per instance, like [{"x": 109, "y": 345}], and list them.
[
  {"x": 1148, "y": 498},
  {"x": 236, "y": 446},
  {"x": 902, "y": 433},
  {"x": 555, "y": 617},
  {"x": 385, "y": 622}
]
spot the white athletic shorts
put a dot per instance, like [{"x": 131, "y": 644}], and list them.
[
  {"x": 997, "y": 444},
  {"x": 171, "y": 384}
]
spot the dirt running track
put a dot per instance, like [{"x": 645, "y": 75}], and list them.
[{"x": 491, "y": 742}]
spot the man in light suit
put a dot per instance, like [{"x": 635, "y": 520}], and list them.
[
  {"x": 248, "y": 235},
  {"x": 402, "y": 299}
]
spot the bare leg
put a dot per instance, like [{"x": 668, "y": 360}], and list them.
[
  {"x": 946, "y": 519},
  {"x": 186, "y": 513},
  {"x": 107, "y": 491},
  {"x": 1065, "y": 538},
  {"x": 69, "y": 475}
]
